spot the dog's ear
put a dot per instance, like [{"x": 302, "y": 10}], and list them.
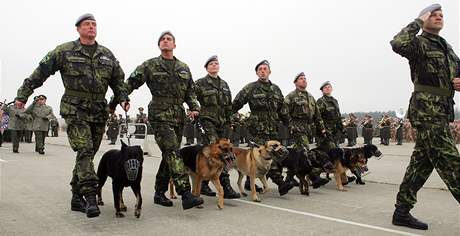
[{"x": 123, "y": 145}]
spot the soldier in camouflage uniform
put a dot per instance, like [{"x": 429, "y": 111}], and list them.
[
  {"x": 267, "y": 109},
  {"x": 171, "y": 84},
  {"x": 87, "y": 70},
  {"x": 113, "y": 127},
  {"x": 42, "y": 114},
  {"x": 435, "y": 74},
  {"x": 16, "y": 123},
  {"x": 330, "y": 112},
  {"x": 215, "y": 99}
]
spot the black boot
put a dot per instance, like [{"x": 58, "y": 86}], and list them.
[
  {"x": 92, "y": 210},
  {"x": 317, "y": 181},
  {"x": 247, "y": 186},
  {"x": 350, "y": 179},
  {"x": 290, "y": 178},
  {"x": 78, "y": 203},
  {"x": 190, "y": 201},
  {"x": 229, "y": 193},
  {"x": 402, "y": 217},
  {"x": 160, "y": 199},
  {"x": 283, "y": 187},
  {"x": 206, "y": 190}
]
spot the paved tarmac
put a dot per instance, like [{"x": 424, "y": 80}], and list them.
[{"x": 35, "y": 200}]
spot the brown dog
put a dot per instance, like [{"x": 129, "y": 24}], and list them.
[
  {"x": 256, "y": 162},
  {"x": 351, "y": 160},
  {"x": 207, "y": 163}
]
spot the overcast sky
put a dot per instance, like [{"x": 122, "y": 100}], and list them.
[{"x": 346, "y": 42}]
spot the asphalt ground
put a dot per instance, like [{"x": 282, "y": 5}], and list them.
[{"x": 35, "y": 200}]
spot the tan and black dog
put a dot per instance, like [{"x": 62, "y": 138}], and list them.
[
  {"x": 207, "y": 163},
  {"x": 256, "y": 162},
  {"x": 352, "y": 159}
]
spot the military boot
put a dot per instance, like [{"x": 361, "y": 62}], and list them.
[
  {"x": 190, "y": 201},
  {"x": 229, "y": 193},
  {"x": 160, "y": 199},
  {"x": 317, "y": 181},
  {"x": 92, "y": 210},
  {"x": 283, "y": 187},
  {"x": 206, "y": 190},
  {"x": 290, "y": 178},
  {"x": 402, "y": 217},
  {"x": 77, "y": 203},
  {"x": 247, "y": 186}
]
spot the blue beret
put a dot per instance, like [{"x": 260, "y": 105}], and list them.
[
  {"x": 212, "y": 58},
  {"x": 298, "y": 75},
  {"x": 165, "y": 33},
  {"x": 87, "y": 16},
  {"x": 324, "y": 84},
  {"x": 264, "y": 62},
  {"x": 431, "y": 8}
]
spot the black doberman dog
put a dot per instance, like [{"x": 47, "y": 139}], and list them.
[
  {"x": 301, "y": 163},
  {"x": 125, "y": 168}
]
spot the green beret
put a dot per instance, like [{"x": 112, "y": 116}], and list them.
[
  {"x": 298, "y": 75},
  {"x": 165, "y": 33},
  {"x": 264, "y": 62},
  {"x": 87, "y": 16}
]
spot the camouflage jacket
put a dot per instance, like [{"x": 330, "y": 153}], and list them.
[
  {"x": 169, "y": 90},
  {"x": 41, "y": 114},
  {"x": 215, "y": 100},
  {"x": 433, "y": 65},
  {"x": 304, "y": 113},
  {"x": 266, "y": 102},
  {"x": 330, "y": 113},
  {"x": 85, "y": 78},
  {"x": 17, "y": 117}
]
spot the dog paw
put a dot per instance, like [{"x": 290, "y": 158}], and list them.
[
  {"x": 220, "y": 207},
  {"x": 137, "y": 213},
  {"x": 173, "y": 197},
  {"x": 119, "y": 215},
  {"x": 123, "y": 208},
  {"x": 100, "y": 203}
]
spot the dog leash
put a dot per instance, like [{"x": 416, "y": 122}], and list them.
[{"x": 127, "y": 130}]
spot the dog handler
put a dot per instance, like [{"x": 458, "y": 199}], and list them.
[
  {"x": 87, "y": 70},
  {"x": 435, "y": 74}
]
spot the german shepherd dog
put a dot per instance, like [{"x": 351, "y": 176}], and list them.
[
  {"x": 354, "y": 159},
  {"x": 368, "y": 150},
  {"x": 207, "y": 163},
  {"x": 256, "y": 162},
  {"x": 302, "y": 162},
  {"x": 125, "y": 168}
]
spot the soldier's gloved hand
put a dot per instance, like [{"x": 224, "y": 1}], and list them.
[
  {"x": 456, "y": 82},
  {"x": 193, "y": 114}
]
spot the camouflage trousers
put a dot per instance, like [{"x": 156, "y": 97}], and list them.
[
  {"x": 168, "y": 138},
  {"x": 212, "y": 132},
  {"x": 15, "y": 138},
  {"x": 40, "y": 140},
  {"x": 85, "y": 139},
  {"x": 434, "y": 149}
]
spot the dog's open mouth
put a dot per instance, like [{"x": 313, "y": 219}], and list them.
[
  {"x": 132, "y": 169},
  {"x": 228, "y": 159}
]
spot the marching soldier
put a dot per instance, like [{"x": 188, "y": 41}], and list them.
[
  {"x": 113, "y": 127},
  {"x": 16, "y": 123},
  {"x": 215, "y": 99},
  {"x": 171, "y": 84},
  {"x": 368, "y": 129},
  {"x": 42, "y": 114},
  {"x": 54, "y": 124},
  {"x": 399, "y": 131},
  {"x": 352, "y": 129},
  {"x": 330, "y": 113},
  {"x": 267, "y": 109},
  {"x": 435, "y": 72},
  {"x": 87, "y": 70},
  {"x": 141, "y": 117}
]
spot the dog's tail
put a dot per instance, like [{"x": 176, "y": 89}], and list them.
[{"x": 102, "y": 172}]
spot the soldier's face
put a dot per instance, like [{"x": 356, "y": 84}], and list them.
[
  {"x": 263, "y": 71},
  {"x": 87, "y": 29},
  {"x": 435, "y": 22},
  {"x": 41, "y": 101},
  {"x": 213, "y": 67},
  {"x": 301, "y": 83},
  {"x": 167, "y": 43},
  {"x": 327, "y": 90}
]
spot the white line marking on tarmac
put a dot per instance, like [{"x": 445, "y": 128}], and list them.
[
  {"x": 328, "y": 218},
  {"x": 1, "y": 160}
]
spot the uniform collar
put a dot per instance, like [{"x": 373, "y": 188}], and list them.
[{"x": 79, "y": 47}]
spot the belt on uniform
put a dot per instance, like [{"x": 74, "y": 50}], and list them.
[
  {"x": 168, "y": 100},
  {"x": 433, "y": 90},
  {"x": 85, "y": 95}
]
